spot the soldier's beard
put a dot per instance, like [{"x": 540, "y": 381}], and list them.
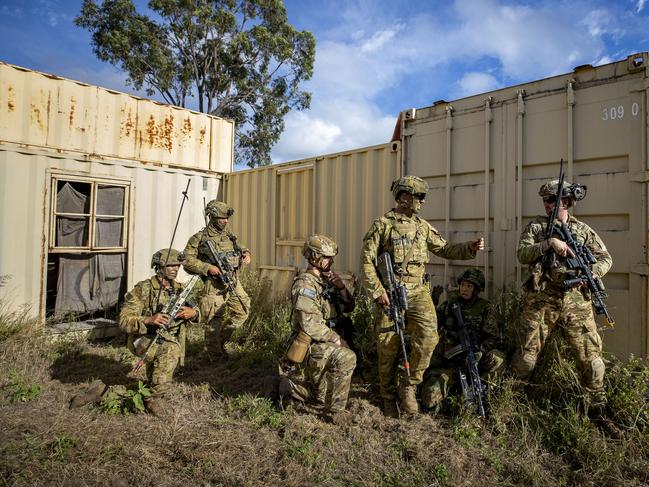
[{"x": 219, "y": 226}]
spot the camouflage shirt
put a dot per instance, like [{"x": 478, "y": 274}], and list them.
[
  {"x": 196, "y": 258},
  {"x": 475, "y": 313},
  {"x": 397, "y": 234},
  {"x": 530, "y": 252},
  {"x": 140, "y": 302},
  {"x": 311, "y": 309}
]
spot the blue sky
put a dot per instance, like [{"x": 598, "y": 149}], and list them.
[{"x": 375, "y": 58}]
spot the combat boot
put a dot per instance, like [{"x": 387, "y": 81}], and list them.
[
  {"x": 93, "y": 394},
  {"x": 409, "y": 402},
  {"x": 390, "y": 408},
  {"x": 285, "y": 391}
]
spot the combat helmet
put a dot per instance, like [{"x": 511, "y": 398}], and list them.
[
  {"x": 167, "y": 257},
  {"x": 218, "y": 209},
  {"x": 474, "y": 276},
  {"x": 410, "y": 185},
  {"x": 576, "y": 192},
  {"x": 317, "y": 246}
]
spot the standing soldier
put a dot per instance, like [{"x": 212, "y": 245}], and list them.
[
  {"x": 319, "y": 364},
  {"x": 217, "y": 299},
  {"x": 408, "y": 239},
  {"x": 549, "y": 303},
  {"x": 475, "y": 313}
]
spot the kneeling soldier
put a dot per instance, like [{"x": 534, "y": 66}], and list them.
[
  {"x": 444, "y": 366},
  {"x": 319, "y": 364}
]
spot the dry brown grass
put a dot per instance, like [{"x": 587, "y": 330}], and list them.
[{"x": 220, "y": 432}]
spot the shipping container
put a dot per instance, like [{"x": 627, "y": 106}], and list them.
[
  {"x": 486, "y": 156},
  {"x": 91, "y": 183},
  {"x": 277, "y": 207}
]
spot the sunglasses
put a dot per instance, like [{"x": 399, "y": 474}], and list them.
[
  {"x": 420, "y": 196},
  {"x": 549, "y": 199}
]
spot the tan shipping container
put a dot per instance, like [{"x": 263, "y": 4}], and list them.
[
  {"x": 277, "y": 207},
  {"x": 486, "y": 156},
  {"x": 126, "y": 159}
]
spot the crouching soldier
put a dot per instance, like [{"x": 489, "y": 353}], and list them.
[
  {"x": 319, "y": 364},
  {"x": 448, "y": 356},
  {"x": 142, "y": 319}
]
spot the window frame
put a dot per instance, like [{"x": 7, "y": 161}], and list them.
[{"x": 94, "y": 182}]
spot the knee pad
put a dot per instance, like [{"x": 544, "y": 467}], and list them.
[
  {"x": 597, "y": 370},
  {"x": 523, "y": 364}
]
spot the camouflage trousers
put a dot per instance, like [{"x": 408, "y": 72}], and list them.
[
  {"x": 222, "y": 313},
  {"x": 421, "y": 328},
  {"x": 161, "y": 361},
  {"x": 325, "y": 378},
  {"x": 443, "y": 375},
  {"x": 573, "y": 314}
]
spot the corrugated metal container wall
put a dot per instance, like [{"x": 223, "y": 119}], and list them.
[
  {"x": 43, "y": 110},
  {"x": 25, "y": 194},
  {"x": 486, "y": 156},
  {"x": 278, "y": 207}
]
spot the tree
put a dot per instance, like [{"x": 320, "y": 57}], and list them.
[{"x": 238, "y": 59}]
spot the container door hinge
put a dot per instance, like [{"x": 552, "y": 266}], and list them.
[
  {"x": 639, "y": 176},
  {"x": 641, "y": 269}
]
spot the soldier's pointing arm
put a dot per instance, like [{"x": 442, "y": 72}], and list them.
[{"x": 440, "y": 247}]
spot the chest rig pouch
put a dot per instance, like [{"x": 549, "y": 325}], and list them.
[{"x": 406, "y": 246}]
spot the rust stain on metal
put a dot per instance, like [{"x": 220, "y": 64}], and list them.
[
  {"x": 36, "y": 116},
  {"x": 127, "y": 125},
  {"x": 160, "y": 135},
  {"x": 202, "y": 137},
  {"x": 10, "y": 99},
  {"x": 73, "y": 105},
  {"x": 187, "y": 126}
]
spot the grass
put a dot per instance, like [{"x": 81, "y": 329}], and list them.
[{"x": 221, "y": 431}]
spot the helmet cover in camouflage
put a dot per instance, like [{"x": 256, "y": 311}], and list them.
[
  {"x": 167, "y": 257},
  {"x": 410, "y": 185},
  {"x": 576, "y": 191},
  {"x": 474, "y": 276},
  {"x": 317, "y": 246},
  {"x": 218, "y": 209}
]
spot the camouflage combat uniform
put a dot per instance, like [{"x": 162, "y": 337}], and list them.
[
  {"x": 162, "y": 358},
  {"x": 324, "y": 378},
  {"x": 442, "y": 372},
  {"x": 548, "y": 304},
  {"x": 396, "y": 234},
  {"x": 216, "y": 300}
]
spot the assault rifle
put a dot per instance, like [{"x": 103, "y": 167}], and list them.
[
  {"x": 472, "y": 387},
  {"x": 171, "y": 309},
  {"x": 581, "y": 262},
  {"x": 342, "y": 324},
  {"x": 549, "y": 258},
  {"x": 227, "y": 271},
  {"x": 398, "y": 302}
]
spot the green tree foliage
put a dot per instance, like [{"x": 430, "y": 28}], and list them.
[{"x": 238, "y": 59}]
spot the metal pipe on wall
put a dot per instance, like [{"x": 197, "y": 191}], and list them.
[
  {"x": 487, "y": 165},
  {"x": 520, "y": 113},
  {"x": 447, "y": 205}
]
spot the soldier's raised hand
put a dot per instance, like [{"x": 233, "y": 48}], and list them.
[
  {"x": 477, "y": 244},
  {"x": 246, "y": 258},
  {"x": 335, "y": 279},
  {"x": 158, "y": 319}
]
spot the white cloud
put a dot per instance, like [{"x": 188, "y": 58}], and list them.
[
  {"x": 641, "y": 4},
  {"x": 475, "y": 82}
]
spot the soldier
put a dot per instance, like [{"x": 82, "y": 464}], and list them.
[
  {"x": 408, "y": 239},
  {"x": 475, "y": 311},
  {"x": 141, "y": 319},
  {"x": 217, "y": 299},
  {"x": 319, "y": 364},
  {"x": 549, "y": 304}
]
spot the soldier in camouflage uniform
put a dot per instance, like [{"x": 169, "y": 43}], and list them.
[
  {"x": 222, "y": 311},
  {"x": 140, "y": 318},
  {"x": 408, "y": 239},
  {"x": 322, "y": 377},
  {"x": 475, "y": 311},
  {"x": 549, "y": 304}
]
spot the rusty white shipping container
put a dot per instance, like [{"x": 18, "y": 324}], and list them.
[
  {"x": 486, "y": 156},
  {"x": 91, "y": 182},
  {"x": 277, "y": 207}
]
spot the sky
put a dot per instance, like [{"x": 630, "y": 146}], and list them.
[{"x": 375, "y": 58}]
